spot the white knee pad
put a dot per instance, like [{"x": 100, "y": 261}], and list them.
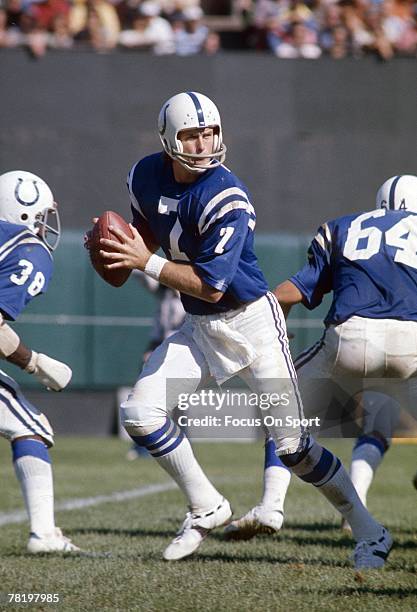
[
  {"x": 133, "y": 428},
  {"x": 140, "y": 420}
]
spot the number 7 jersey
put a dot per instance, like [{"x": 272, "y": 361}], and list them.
[
  {"x": 208, "y": 223},
  {"x": 25, "y": 268},
  {"x": 369, "y": 261}
]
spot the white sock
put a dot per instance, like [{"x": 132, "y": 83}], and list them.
[
  {"x": 341, "y": 493},
  {"x": 276, "y": 481},
  {"x": 35, "y": 477},
  {"x": 365, "y": 460},
  {"x": 323, "y": 469},
  {"x": 183, "y": 467},
  {"x": 172, "y": 450}
]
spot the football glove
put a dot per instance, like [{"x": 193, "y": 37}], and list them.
[{"x": 53, "y": 374}]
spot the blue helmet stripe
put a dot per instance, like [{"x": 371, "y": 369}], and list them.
[
  {"x": 200, "y": 114},
  {"x": 391, "y": 197}
]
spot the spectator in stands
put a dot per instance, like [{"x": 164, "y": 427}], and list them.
[
  {"x": 6, "y": 40},
  {"x": 15, "y": 12},
  {"x": 149, "y": 31},
  {"x": 190, "y": 38},
  {"x": 289, "y": 28},
  {"x": 297, "y": 43},
  {"x": 340, "y": 45},
  {"x": 95, "y": 22},
  {"x": 60, "y": 37},
  {"x": 267, "y": 24},
  {"x": 365, "y": 28},
  {"x": 273, "y": 33},
  {"x": 32, "y": 36},
  {"x": 399, "y": 25},
  {"x": 126, "y": 10},
  {"x": 169, "y": 8},
  {"x": 275, "y": 20},
  {"x": 45, "y": 11},
  {"x": 93, "y": 35},
  {"x": 330, "y": 16},
  {"x": 212, "y": 44},
  {"x": 265, "y": 9}
]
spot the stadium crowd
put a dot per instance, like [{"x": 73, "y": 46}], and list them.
[{"x": 286, "y": 28}]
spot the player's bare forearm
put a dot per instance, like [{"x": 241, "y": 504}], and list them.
[
  {"x": 21, "y": 356},
  {"x": 287, "y": 295},
  {"x": 185, "y": 278},
  {"x": 134, "y": 254}
]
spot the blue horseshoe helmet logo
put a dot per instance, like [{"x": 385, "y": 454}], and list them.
[
  {"x": 24, "y": 202},
  {"x": 164, "y": 124}
]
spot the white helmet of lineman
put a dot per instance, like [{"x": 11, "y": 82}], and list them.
[
  {"x": 25, "y": 199},
  {"x": 398, "y": 193},
  {"x": 185, "y": 111}
]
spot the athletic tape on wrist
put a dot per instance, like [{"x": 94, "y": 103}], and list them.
[
  {"x": 154, "y": 266},
  {"x": 31, "y": 366},
  {"x": 9, "y": 340}
]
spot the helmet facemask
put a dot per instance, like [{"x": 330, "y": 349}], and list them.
[
  {"x": 216, "y": 158},
  {"x": 48, "y": 227}
]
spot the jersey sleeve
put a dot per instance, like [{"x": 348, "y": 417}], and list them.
[
  {"x": 314, "y": 280},
  {"x": 24, "y": 274},
  {"x": 223, "y": 236},
  {"x": 137, "y": 212}
]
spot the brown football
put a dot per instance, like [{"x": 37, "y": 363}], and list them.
[{"x": 116, "y": 277}]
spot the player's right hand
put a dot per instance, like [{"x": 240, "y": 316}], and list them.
[{"x": 51, "y": 373}]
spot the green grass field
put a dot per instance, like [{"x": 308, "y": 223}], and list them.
[{"x": 305, "y": 568}]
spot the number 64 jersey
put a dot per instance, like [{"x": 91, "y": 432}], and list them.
[
  {"x": 369, "y": 261},
  {"x": 25, "y": 268}
]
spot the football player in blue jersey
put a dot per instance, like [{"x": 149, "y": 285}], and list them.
[
  {"x": 369, "y": 261},
  {"x": 29, "y": 232},
  {"x": 201, "y": 215}
]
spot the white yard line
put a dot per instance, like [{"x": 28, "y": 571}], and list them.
[{"x": 19, "y": 516}]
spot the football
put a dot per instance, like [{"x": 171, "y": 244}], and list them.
[{"x": 116, "y": 277}]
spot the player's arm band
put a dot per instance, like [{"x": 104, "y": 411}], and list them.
[
  {"x": 11, "y": 348},
  {"x": 154, "y": 266},
  {"x": 9, "y": 340}
]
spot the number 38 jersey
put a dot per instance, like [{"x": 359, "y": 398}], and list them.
[
  {"x": 25, "y": 268},
  {"x": 369, "y": 261},
  {"x": 208, "y": 223}
]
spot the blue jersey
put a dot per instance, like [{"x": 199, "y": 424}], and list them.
[
  {"x": 208, "y": 223},
  {"x": 25, "y": 268},
  {"x": 369, "y": 261}
]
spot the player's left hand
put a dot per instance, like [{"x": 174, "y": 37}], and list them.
[
  {"x": 126, "y": 252},
  {"x": 53, "y": 374}
]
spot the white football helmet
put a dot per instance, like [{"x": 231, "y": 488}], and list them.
[
  {"x": 398, "y": 193},
  {"x": 185, "y": 111},
  {"x": 25, "y": 199}
]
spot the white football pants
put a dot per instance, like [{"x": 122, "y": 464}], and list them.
[
  {"x": 18, "y": 417},
  {"x": 377, "y": 356},
  {"x": 250, "y": 342}
]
